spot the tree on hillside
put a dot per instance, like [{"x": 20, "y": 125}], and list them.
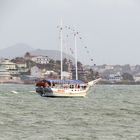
[
  {"x": 58, "y": 62},
  {"x": 27, "y": 56},
  {"x": 90, "y": 75},
  {"x": 79, "y": 65},
  {"x": 126, "y": 69},
  {"x": 127, "y": 76},
  {"x": 18, "y": 59},
  {"x": 51, "y": 65}
]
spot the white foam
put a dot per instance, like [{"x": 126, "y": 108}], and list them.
[{"x": 14, "y": 92}]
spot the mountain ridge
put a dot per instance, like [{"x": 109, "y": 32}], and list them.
[
  {"x": 16, "y": 50},
  {"x": 53, "y": 54},
  {"x": 19, "y": 50}
]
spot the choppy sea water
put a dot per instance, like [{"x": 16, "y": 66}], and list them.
[{"x": 107, "y": 113}]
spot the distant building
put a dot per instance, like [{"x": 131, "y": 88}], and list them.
[
  {"x": 21, "y": 65},
  {"x": 48, "y": 72},
  {"x": 137, "y": 77},
  {"x": 10, "y": 66},
  {"x": 103, "y": 68},
  {"x": 132, "y": 68},
  {"x": 51, "y": 74},
  {"x": 66, "y": 75},
  {"x": 4, "y": 74},
  {"x": 40, "y": 59},
  {"x": 109, "y": 67},
  {"x": 115, "y": 77}
]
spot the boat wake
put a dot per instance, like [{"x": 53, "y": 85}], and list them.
[{"x": 13, "y": 91}]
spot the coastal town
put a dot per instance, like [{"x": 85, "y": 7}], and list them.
[
  {"x": 69, "y": 70},
  {"x": 30, "y": 68}
]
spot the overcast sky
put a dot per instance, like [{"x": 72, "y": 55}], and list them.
[{"x": 109, "y": 28}]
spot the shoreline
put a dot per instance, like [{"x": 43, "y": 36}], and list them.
[{"x": 16, "y": 83}]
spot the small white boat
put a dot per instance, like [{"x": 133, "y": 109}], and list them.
[
  {"x": 64, "y": 88},
  {"x": 13, "y": 91}
]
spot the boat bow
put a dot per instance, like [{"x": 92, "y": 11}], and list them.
[{"x": 91, "y": 83}]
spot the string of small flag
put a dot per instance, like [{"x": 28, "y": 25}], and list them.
[{"x": 71, "y": 31}]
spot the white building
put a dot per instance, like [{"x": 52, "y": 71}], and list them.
[
  {"x": 21, "y": 65},
  {"x": 8, "y": 64},
  {"x": 48, "y": 72},
  {"x": 109, "y": 67},
  {"x": 51, "y": 74},
  {"x": 40, "y": 59},
  {"x": 66, "y": 75},
  {"x": 115, "y": 77},
  {"x": 137, "y": 78},
  {"x": 4, "y": 74}
]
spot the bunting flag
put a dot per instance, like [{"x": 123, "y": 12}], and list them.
[
  {"x": 59, "y": 27},
  {"x": 72, "y": 52},
  {"x": 71, "y": 31}
]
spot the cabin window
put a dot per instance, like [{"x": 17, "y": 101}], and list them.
[{"x": 71, "y": 86}]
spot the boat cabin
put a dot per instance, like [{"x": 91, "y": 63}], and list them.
[{"x": 63, "y": 84}]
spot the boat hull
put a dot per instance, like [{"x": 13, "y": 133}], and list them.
[
  {"x": 60, "y": 93},
  {"x": 65, "y": 92}
]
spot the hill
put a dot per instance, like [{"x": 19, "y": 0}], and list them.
[
  {"x": 53, "y": 54},
  {"x": 20, "y": 49},
  {"x": 15, "y": 50}
]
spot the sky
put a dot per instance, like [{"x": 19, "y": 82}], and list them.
[{"x": 109, "y": 29}]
